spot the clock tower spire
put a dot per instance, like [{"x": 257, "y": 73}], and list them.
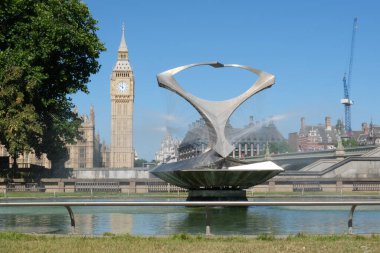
[
  {"x": 123, "y": 50},
  {"x": 122, "y": 87}
]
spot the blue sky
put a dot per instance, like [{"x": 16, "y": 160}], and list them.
[{"x": 305, "y": 44}]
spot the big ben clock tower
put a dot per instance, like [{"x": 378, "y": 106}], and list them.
[{"x": 122, "y": 96}]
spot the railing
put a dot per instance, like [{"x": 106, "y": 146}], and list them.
[
  {"x": 295, "y": 188},
  {"x": 164, "y": 187},
  {"x": 366, "y": 186},
  {"x": 32, "y": 187},
  {"x": 307, "y": 186},
  {"x": 94, "y": 186},
  {"x": 360, "y": 150},
  {"x": 205, "y": 204}
]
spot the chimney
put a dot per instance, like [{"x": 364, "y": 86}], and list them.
[
  {"x": 302, "y": 124},
  {"x": 328, "y": 123}
]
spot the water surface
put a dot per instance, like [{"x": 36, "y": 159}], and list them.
[{"x": 171, "y": 220}]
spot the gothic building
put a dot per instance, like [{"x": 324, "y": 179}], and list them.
[
  {"x": 248, "y": 141},
  {"x": 122, "y": 86},
  {"x": 370, "y": 134},
  {"x": 26, "y": 159},
  {"x": 89, "y": 152},
  {"x": 86, "y": 153},
  {"x": 168, "y": 150}
]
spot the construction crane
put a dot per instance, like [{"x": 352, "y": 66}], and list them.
[{"x": 346, "y": 101}]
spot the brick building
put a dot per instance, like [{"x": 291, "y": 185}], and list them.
[{"x": 319, "y": 137}]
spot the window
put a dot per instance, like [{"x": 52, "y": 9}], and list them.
[{"x": 82, "y": 152}]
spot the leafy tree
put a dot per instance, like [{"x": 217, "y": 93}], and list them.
[
  {"x": 349, "y": 143},
  {"x": 48, "y": 50},
  {"x": 140, "y": 162},
  {"x": 279, "y": 147}
]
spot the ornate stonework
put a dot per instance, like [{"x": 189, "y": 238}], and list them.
[
  {"x": 169, "y": 150},
  {"x": 122, "y": 97},
  {"x": 86, "y": 153}
]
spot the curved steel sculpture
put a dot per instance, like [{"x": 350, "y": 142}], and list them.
[
  {"x": 214, "y": 175},
  {"x": 216, "y": 113}
]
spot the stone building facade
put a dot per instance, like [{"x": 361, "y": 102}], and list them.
[
  {"x": 26, "y": 159},
  {"x": 86, "y": 153},
  {"x": 248, "y": 141},
  {"x": 122, "y": 87},
  {"x": 168, "y": 150}
]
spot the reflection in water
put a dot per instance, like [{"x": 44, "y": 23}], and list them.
[
  {"x": 230, "y": 221},
  {"x": 100, "y": 223},
  {"x": 171, "y": 220}
]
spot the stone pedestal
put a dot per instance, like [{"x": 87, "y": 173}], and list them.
[{"x": 217, "y": 195}]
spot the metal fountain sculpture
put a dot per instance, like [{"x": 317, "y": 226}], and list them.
[{"x": 214, "y": 175}]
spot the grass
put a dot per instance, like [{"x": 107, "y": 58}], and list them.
[{"x": 16, "y": 242}]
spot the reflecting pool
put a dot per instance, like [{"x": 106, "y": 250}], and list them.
[{"x": 171, "y": 220}]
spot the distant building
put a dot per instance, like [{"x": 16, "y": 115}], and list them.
[
  {"x": 248, "y": 141},
  {"x": 319, "y": 137},
  {"x": 105, "y": 152},
  {"x": 293, "y": 142},
  {"x": 370, "y": 134},
  {"x": 195, "y": 141},
  {"x": 25, "y": 159},
  {"x": 168, "y": 151},
  {"x": 86, "y": 153}
]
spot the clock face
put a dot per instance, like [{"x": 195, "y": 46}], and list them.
[{"x": 122, "y": 86}]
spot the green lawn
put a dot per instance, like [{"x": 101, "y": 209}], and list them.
[{"x": 16, "y": 242}]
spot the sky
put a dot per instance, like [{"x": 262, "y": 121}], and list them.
[{"x": 305, "y": 44}]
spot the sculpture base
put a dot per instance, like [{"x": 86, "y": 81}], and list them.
[
  {"x": 217, "y": 195},
  {"x": 211, "y": 171}
]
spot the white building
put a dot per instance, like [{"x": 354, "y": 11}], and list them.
[{"x": 169, "y": 150}]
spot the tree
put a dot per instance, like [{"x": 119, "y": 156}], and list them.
[
  {"x": 48, "y": 50},
  {"x": 279, "y": 147},
  {"x": 349, "y": 143},
  {"x": 140, "y": 162}
]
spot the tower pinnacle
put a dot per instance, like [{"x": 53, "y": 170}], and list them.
[
  {"x": 122, "y": 63},
  {"x": 123, "y": 44}
]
